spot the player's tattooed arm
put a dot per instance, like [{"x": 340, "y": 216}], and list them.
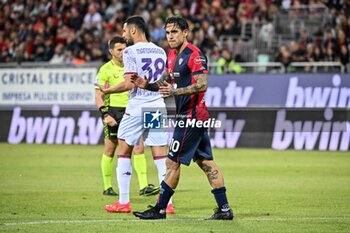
[
  {"x": 200, "y": 85},
  {"x": 143, "y": 82}
]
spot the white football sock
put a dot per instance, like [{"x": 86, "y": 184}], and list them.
[{"x": 124, "y": 172}]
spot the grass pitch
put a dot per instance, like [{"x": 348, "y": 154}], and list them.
[{"x": 56, "y": 188}]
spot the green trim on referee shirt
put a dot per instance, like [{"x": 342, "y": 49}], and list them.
[{"x": 112, "y": 74}]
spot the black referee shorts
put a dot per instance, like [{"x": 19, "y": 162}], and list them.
[{"x": 111, "y": 132}]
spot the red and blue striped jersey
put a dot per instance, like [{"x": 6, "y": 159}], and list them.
[{"x": 182, "y": 68}]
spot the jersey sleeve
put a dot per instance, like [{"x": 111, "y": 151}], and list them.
[
  {"x": 169, "y": 60},
  {"x": 129, "y": 61},
  {"x": 198, "y": 63},
  {"x": 101, "y": 77},
  {"x": 166, "y": 66}
]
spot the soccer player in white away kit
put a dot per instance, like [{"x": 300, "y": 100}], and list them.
[{"x": 142, "y": 58}]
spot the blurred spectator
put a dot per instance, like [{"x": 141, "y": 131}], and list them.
[
  {"x": 341, "y": 21},
  {"x": 297, "y": 53},
  {"x": 22, "y": 32},
  {"x": 329, "y": 42},
  {"x": 68, "y": 58},
  {"x": 318, "y": 55},
  {"x": 214, "y": 55},
  {"x": 3, "y": 43},
  {"x": 39, "y": 48},
  {"x": 28, "y": 50},
  {"x": 304, "y": 39},
  {"x": 74, "y": 19},
  {"x": 81, "y": 58},
  {"x": 231, "y": 27},
  {"x": 318, "y": 39},
  {"x": 284, "y": 55},
  {"x": 341, "y": 41},
  {"x": 266, "y": 34},
  {"x": 49, "y": 49},
  {"x": 310, "y": 56},
  {"x": 226, "y": 64},
  {"x": 93, "y": 18},
  {"x": 344, "y": 55},
  {"x": 63, "y": 33},
  {"x": 329, "y": 53},
  {"x": 346, "y": 8},
  {"x": 17, "y": 6},
  {"x": 286, "y": 4},
  {"x": 310, "y": 52},
  {"x": 112, "y": 9},
  {"x": 158, "y": 32},
  {"x": 246, "y": 11},
  {"x": 59, "y": 56}
]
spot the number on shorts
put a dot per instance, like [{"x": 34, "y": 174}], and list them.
[{"x": 175, "y": 145}]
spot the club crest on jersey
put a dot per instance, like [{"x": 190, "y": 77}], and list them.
[{"x": 199, "y": 60}]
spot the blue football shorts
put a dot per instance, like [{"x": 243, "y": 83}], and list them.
[{"x": 190, "y": 143}]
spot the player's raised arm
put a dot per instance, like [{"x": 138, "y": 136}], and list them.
[
  {"x": 200, "y": 85},
  {"x": 144, "y": 84}
]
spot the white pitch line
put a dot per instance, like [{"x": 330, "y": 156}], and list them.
[
  {"x": 277, "y": 219},
  {"x": 346, "y": 218},
  {"x": 90, "y": 221}
]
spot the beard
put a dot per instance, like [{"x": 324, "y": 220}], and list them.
[{"x": 129, "y": 41}]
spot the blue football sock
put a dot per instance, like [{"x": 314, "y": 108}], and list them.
[
  {"x": 164, "y": 195},
  {"x": 221, "y": 199}
]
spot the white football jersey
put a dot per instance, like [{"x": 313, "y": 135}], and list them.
[{"x": 145, "y": 59}]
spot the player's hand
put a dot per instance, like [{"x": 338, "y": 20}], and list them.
[
  {"x": 104, "y": 88},
  {"x": 139, "y": 81},
  {"x": 109, "y": 120},
  {"x": 167, "y": 90}
]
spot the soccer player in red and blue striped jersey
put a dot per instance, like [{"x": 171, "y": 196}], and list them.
[{"x": 185, "y": 77}]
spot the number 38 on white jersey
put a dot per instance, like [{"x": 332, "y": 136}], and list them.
[{"x": 145, "y": 59}]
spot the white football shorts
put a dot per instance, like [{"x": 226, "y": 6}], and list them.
[{"x": 131, "y": 129}]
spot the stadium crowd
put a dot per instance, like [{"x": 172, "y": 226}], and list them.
[{"x": 77, "y": 31}]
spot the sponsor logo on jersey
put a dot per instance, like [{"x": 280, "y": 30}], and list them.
[{"x": 199, "y": 60}]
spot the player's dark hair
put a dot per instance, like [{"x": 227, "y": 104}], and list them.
[
  {"x": 139, "y": 23},
  {"x": 178, "y": 21},
  {"x": 116, "y": 40}
]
